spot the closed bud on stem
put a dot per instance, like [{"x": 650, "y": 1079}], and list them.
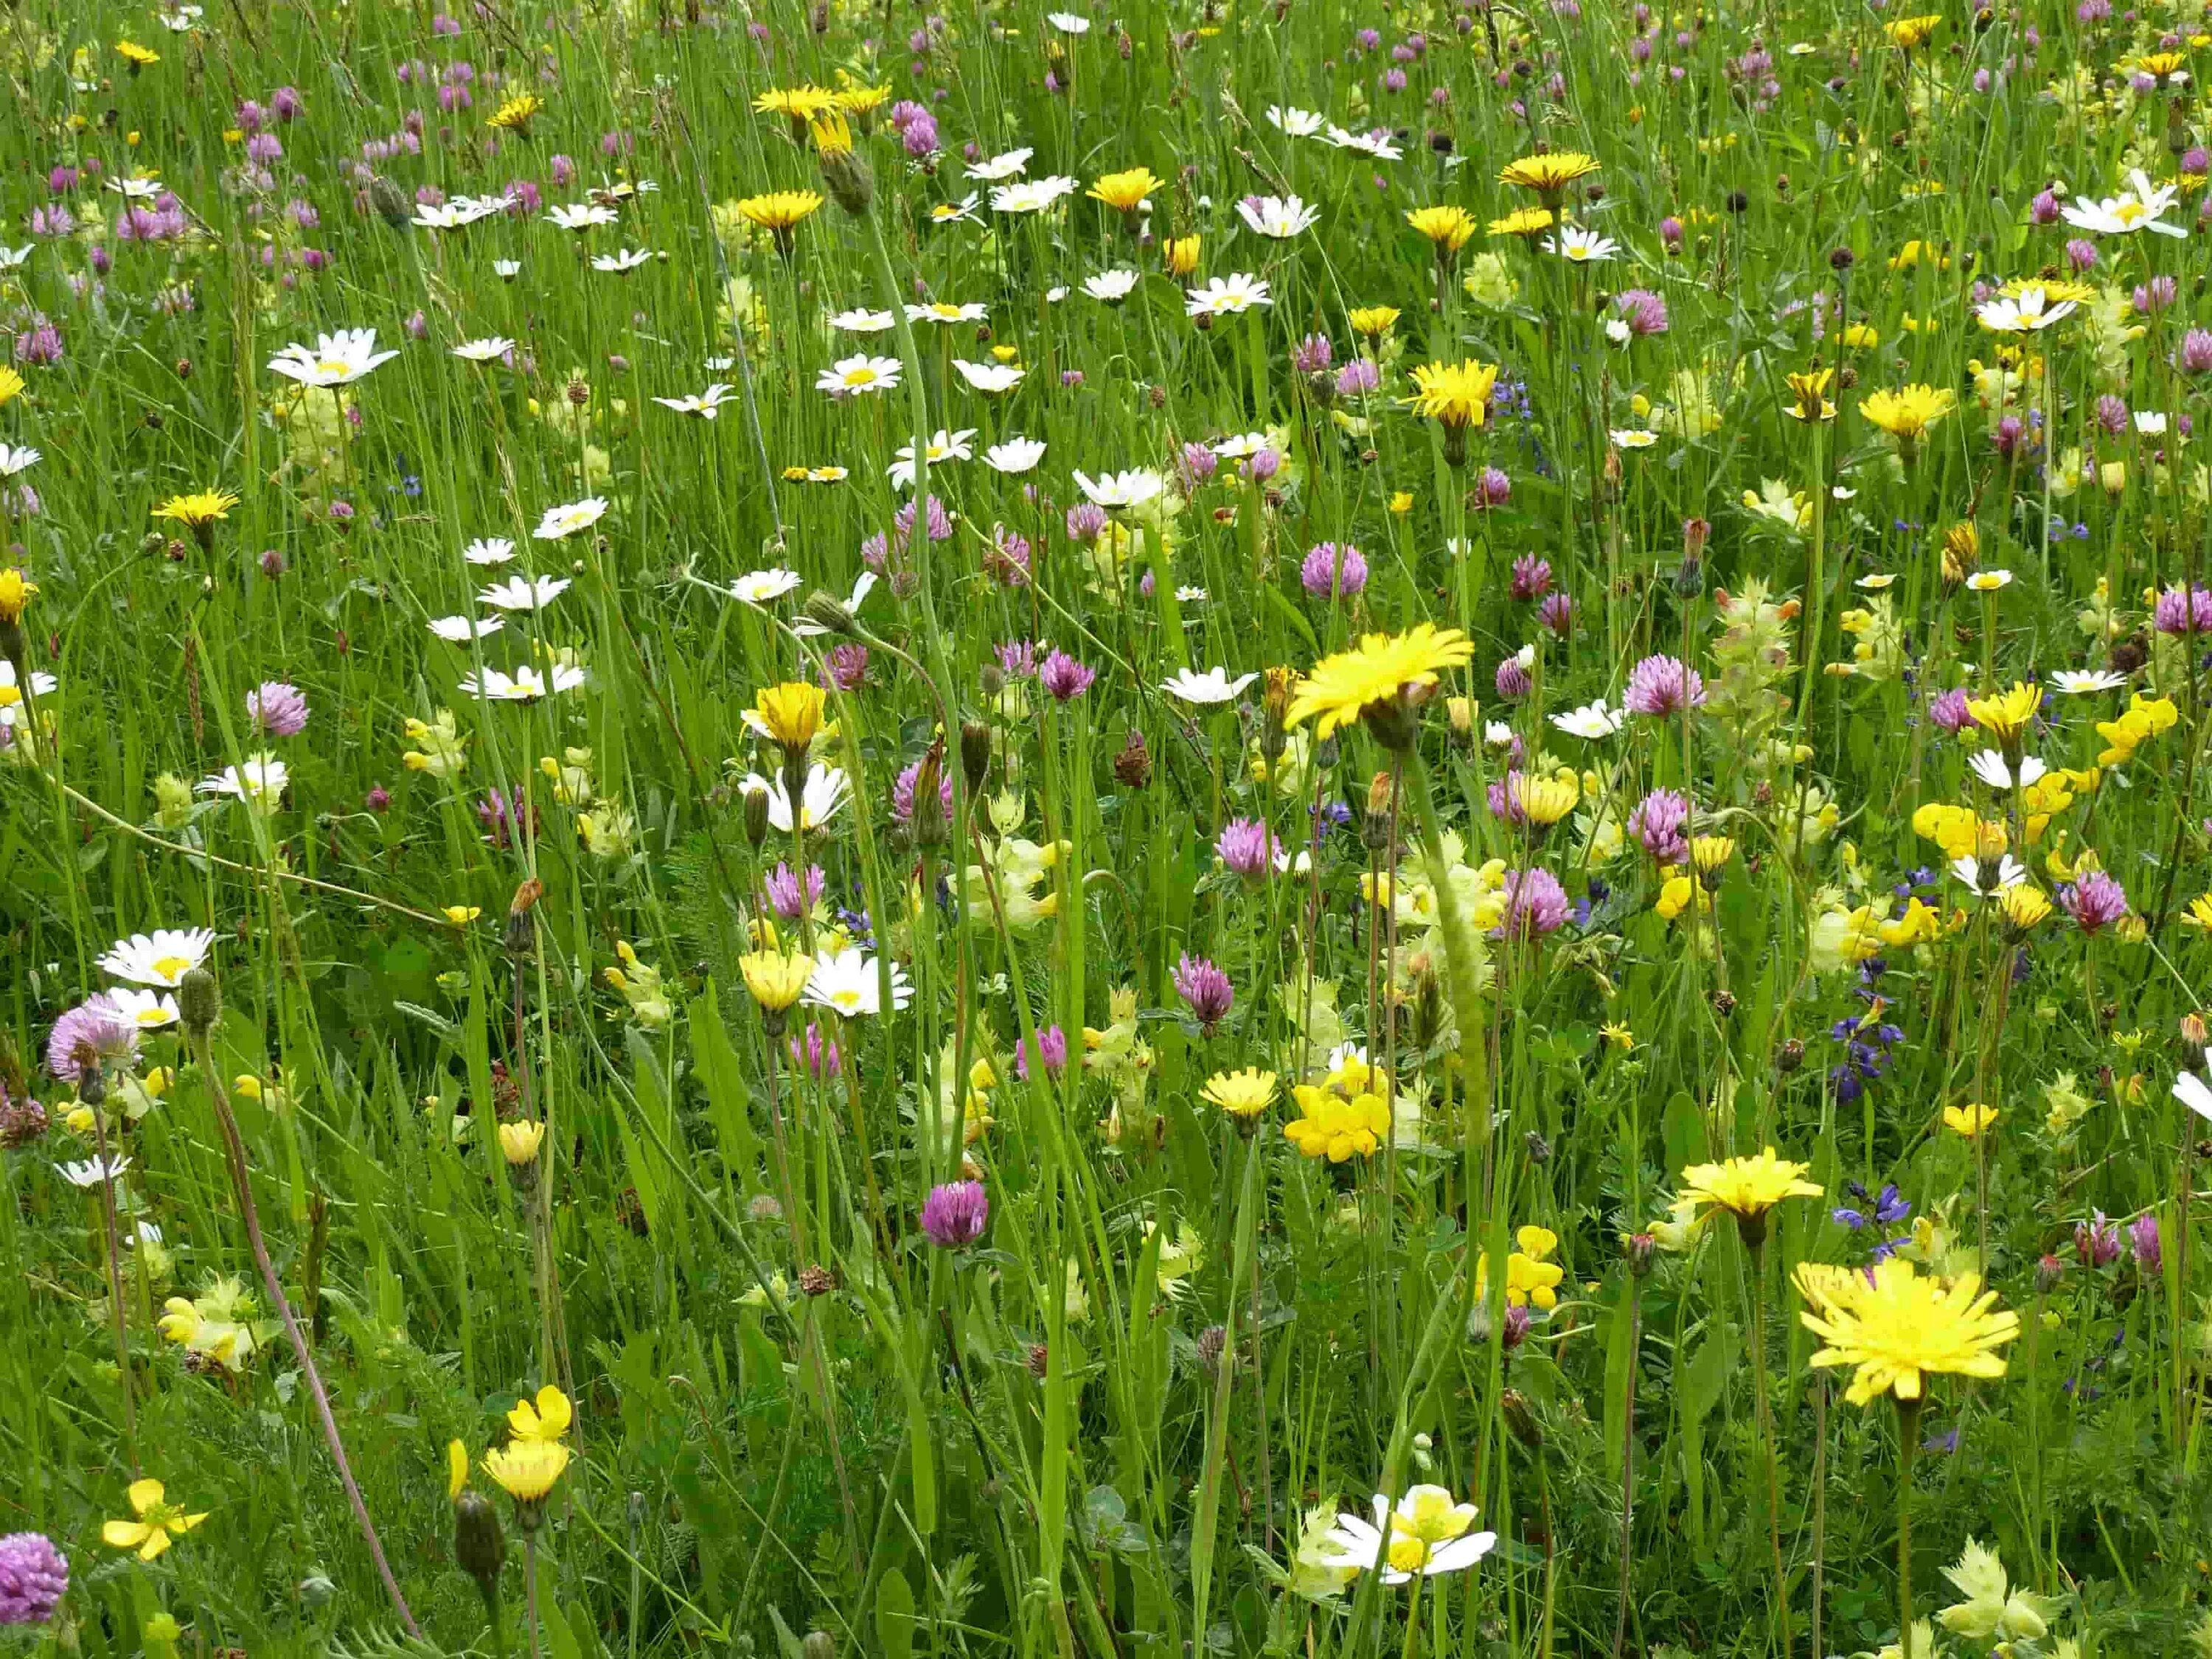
[
  {"x": 827, "y": 612},
  {"x": 198, "y": 1002},
  {"x": 818, "y": 1645},
  {"x": 974, "y": 753},
  {"x": 929, "y": 797},
  {"x": 846, "y": 177},
  {"x": 755, "y": 816},
  {"x": 390, "y": 202},
  {"x": 479, "y": 1543},
  {"x": 1521, "y": 1418}
]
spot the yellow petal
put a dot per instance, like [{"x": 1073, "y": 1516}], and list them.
[
  {"x": 125, "y": 1534},
  {"x": 157, "y": 1539},
  {"x": 457, "y": 1470},
  {"x": 144, "y": 1495}
]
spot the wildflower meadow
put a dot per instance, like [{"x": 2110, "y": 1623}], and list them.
[{"x": 1189, "y": 828}]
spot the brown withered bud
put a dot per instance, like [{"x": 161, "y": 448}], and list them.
[
  {"x": 1039, "y": 1361},
  {"x": 1791, "y": 1057},
  {"x": 816, "y": 1281},
  {"x": 1132, "y": 767},
  {"x": 1723, "y": 1003}
]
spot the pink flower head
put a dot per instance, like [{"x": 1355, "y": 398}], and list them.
[
  {"x": 277, "y": 708},
  {"x": 1536, "y": 904},
  {"x": 1662, "y": 685}
]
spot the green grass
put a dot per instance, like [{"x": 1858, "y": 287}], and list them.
[{"x": 1119, "y": 1422}]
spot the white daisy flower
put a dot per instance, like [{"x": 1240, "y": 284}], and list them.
[
  {"x": 989, "y": 378},
  {"x": 459, "y": 630},
  {"x": 1011, "y": 165},
  {"x": 525, "y": 684},
  {"x": 1208, "y": 689},
  {"x": 339, "y": 358},
  {"x": 1227, "y": 296},
  {"x": 1016, "y": 455},
  {"x": 760, "y": 586},
  {"x": 1031, "y": 195},
  {"x": 820, "y": 798},
  {"x": 558, "y": 523},
  {"x": 2080, "y": 682},
  {"x": 523, "y": 592},
  {"x": 492, "y": 348},
  {"x": 862, "y": 321},
  {"x": 1592, "y": 720},
  {"x": 1122, "y": 489},
  {"x": 1295, "y": 122},
  {"x": 161, "y": 959},
  {"x": 942, "y": 447},
  {"x": 1279, "y": 217},
  {"x": 149, "y": 1010},
  {"x": 705, "y": 404},
  {"x": 1112, "y": 286},
  {"x": 488, "y": 550},
  {"x": 849, "y": 984},
  {"x": 850, "y": 377}
]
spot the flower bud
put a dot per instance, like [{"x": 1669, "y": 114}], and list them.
[
  {"x": 390, "y": 202},
  {"x": 1521, "y": 1418},
  {"x": 479, "y": 1545},
  {"x": 755, "y": 816},
  {"x": 974, "y": 753},
  {"x": 198, "y": 1002},
  {"x": 827, "y": 612}
]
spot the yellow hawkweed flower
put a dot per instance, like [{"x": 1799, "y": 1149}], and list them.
[
  {"x": 775, "y": 981},
  {"x": 1898, "y": 1328},
  {"x": 16, "y": 592},
  {"x": 11, "y": 384},
  {"x": 2199, "y": 912},
  {"x": 1127, "y": 190},
  {"x": 527, "y": 1471},
  {"x": 1523, "y": 223},
  {"x": 136, "y": 56},
  {"x": 159, "y": 1524},
  {"x": 1710, "y": 854},
  {"x": 779, "y": 212},
  {"x": 513, "y": 113},
  {"x": 1243, "y": 1094},
  {"x": 832, "y": 133},
  {"x": 1450, "y": 226},
  {"x": 1747, "y": 1187},
  {"x": 1809, "y": 390},
  {"x": 1373, "y": 320},
  {"x": 1344, "y": 687},
  {"x": 863, "y": 100},
  {"x": 2005, "y": 714},
  {"x": 801, "y": 104},
  {"x": 790, "y": 713},
  {"x": 519, "y": 1141},
  {"x": 1544, "y": 800},
  {"x": 1179, "y": 254},
  {"x": 198, "y": 509},
  {"x": 1618, "y": 1035},
  {"x": 1548, "y": 174},
  {"x": 1907, "y": 413},
  {"x": 1456, "y": 394}
]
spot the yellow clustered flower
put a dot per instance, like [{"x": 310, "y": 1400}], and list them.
[
  {"x": 1531, "y": 1279},
  {"x": 1344, "y": 1114},
  {"x": 1908, "y": 413},
  {"x": 2143, "y": 719},
  {"x": 790, "y": 713},
  {"x": 16, "y": 592},
  {"x": 1373, "y": 320},
  {"x": 1523, "y": 223}
]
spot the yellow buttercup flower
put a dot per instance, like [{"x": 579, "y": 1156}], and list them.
[
  {"x": 462, "y": 914},
  {"x": 1126, "y": 192},
  {"x": 1243, "y": 1094},
  {"x": 1450, "y": 226},
  {"x": 1909, "y": 34},
  {"x": 1344, "y": 687},
  {"x": 159, "y": 1522},
  {"x": 546, "y": 1419},
  {"x": 1548, "y": 174},
  {"x": 1898, "y": 1328},
  {"x": 1969, "y": 1121},
  {"x": 1456, "y": 394}
]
